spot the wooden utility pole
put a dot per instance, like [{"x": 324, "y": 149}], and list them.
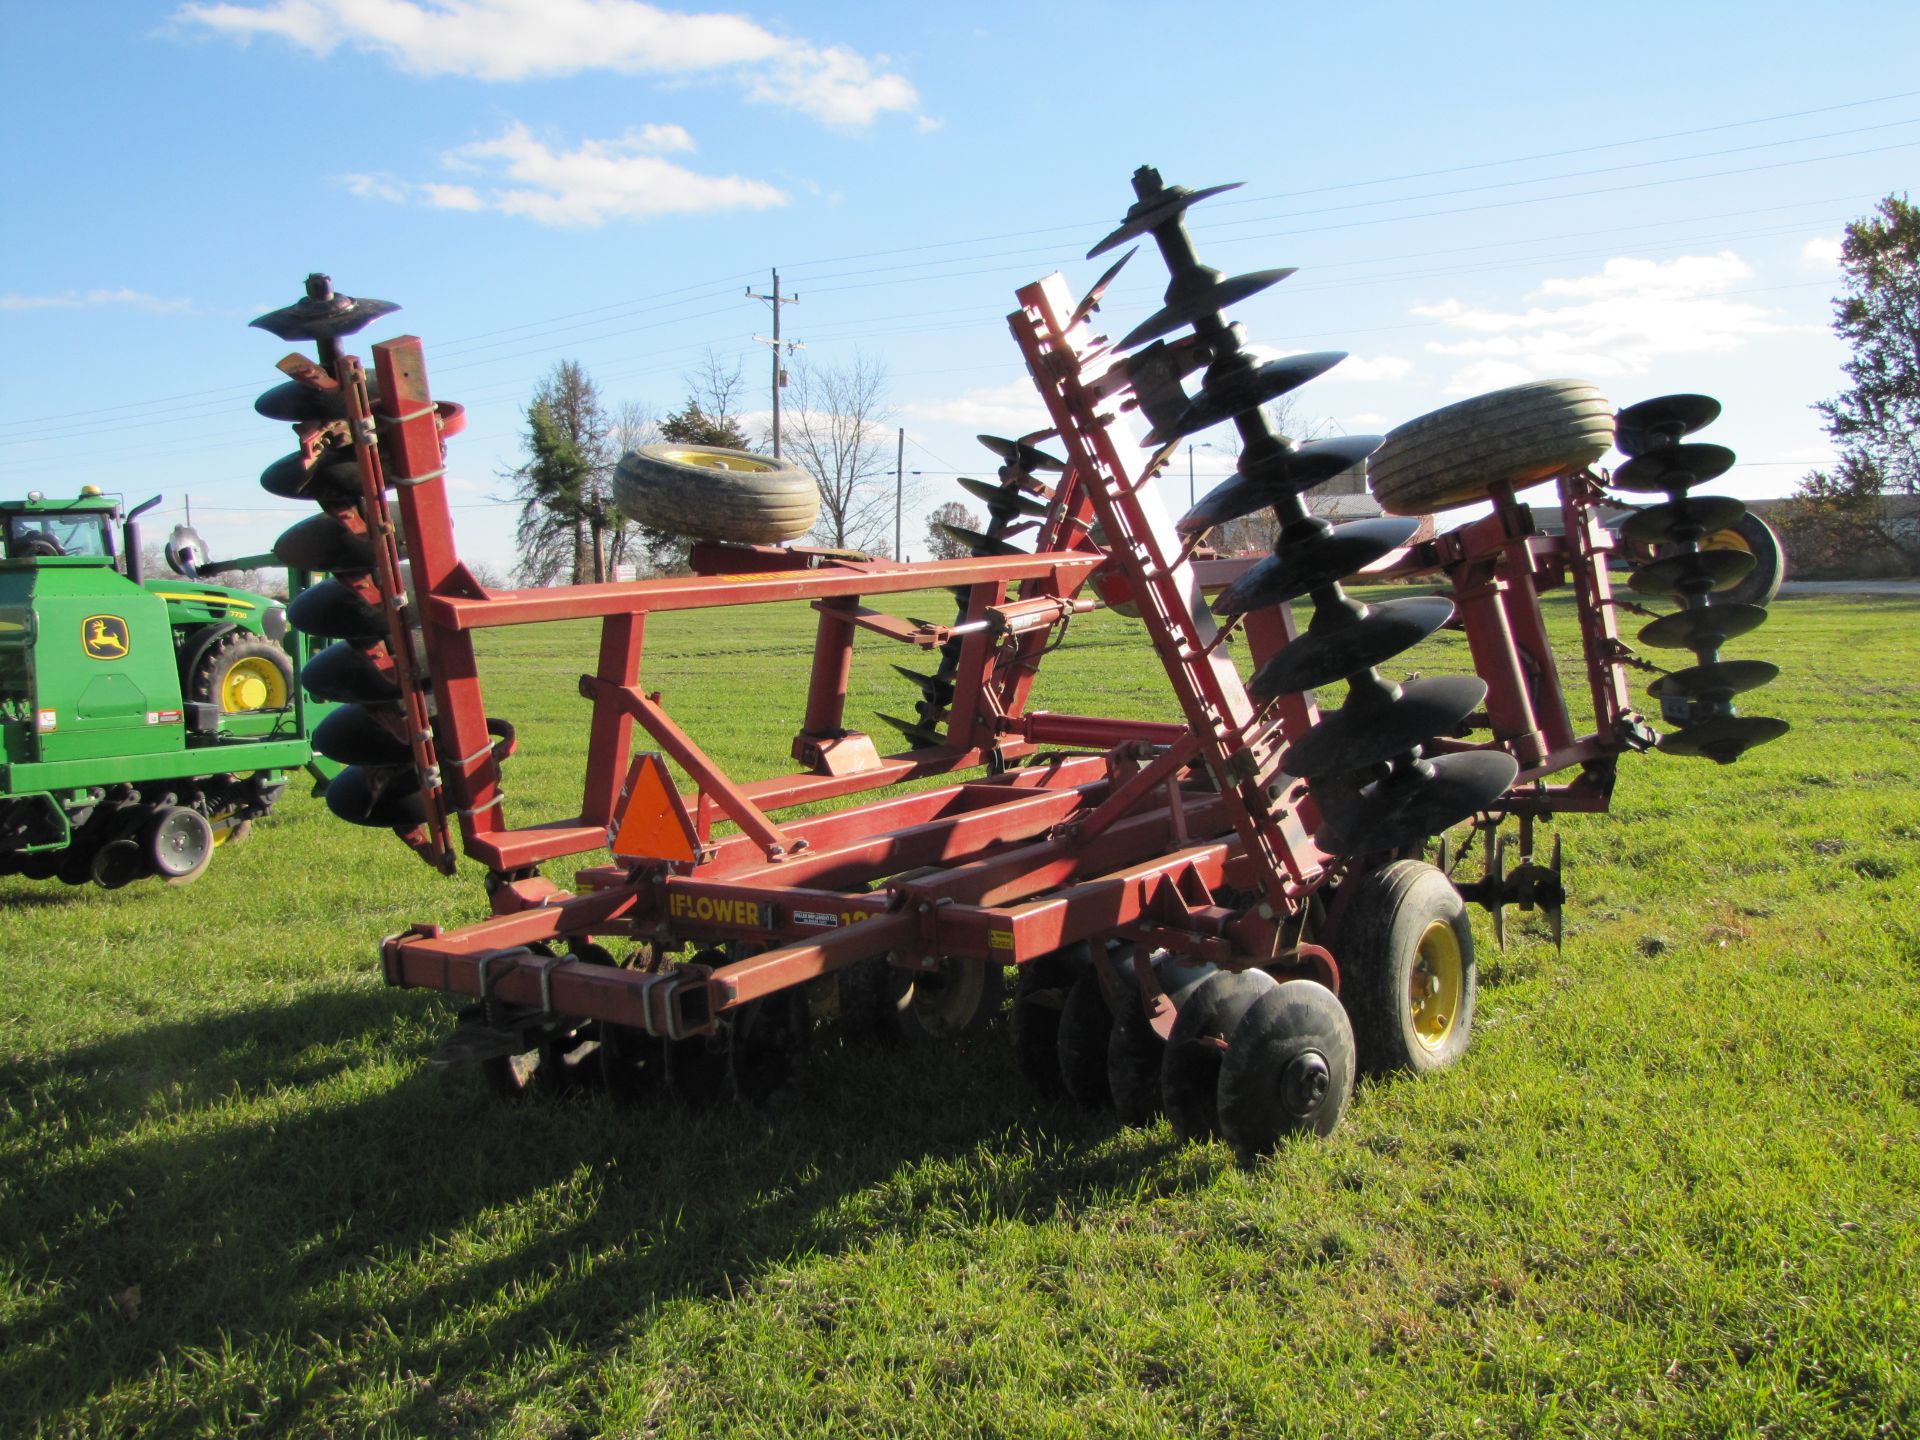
[
  {"x": 899, "y": 486},
  {"x": 776, "y": 300}
]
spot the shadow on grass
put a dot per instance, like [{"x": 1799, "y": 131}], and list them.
[{"x": 269, "y": 1174}]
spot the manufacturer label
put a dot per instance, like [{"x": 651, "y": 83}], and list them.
[
  {"x": 720, "y": 910},
  {"x": 104, "y": 637}
]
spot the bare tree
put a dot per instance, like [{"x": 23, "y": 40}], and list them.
[
  {"x": 941, "y": 545},
  {"x": 835, "y": 429},
  {"x": 714, "y": 386},
  {"x": 634, "y": 425}
]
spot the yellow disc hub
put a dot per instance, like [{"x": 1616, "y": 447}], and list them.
[
  {"x": 252, "y": 683},
  {"x": 1438, "y": 985},
  {"x": 737, "y": 461}
]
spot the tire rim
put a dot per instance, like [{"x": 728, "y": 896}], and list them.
[
  {"x": 252, "y": 683},
  {"x": 739, "y": 461},
  {"x": 1728, "y": 539},
  {"x": 1435, "y": 989}
]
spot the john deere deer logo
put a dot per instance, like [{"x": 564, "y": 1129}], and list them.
[{"x": 104, "y": 637}]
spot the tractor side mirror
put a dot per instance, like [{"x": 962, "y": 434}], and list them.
[{"x": 186, "y": 552}]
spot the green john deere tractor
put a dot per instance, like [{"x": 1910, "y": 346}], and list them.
[{"x": 144, "y": 720}]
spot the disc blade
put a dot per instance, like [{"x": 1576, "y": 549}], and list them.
[
  {"x": 918, "y": 735},
  {"x": 1674, "y": 467},
  {"x": 1002, "y": 499},
  {"x": 298, "y": 404},
  {"x": 1375, "y": 729},
  {"x": 1723, "y": 679},
  {"x": 1722, "y": 569},
  {"x": 387, "y": 795},
  {"x": 1704, "y": 627},
  {"x": 320, "y": 542},
  {"x": 1324, "y": 655},
  {"x": 1647, "y": 426},
  {"x": 1020, "y": 455},
  {"x": 351, "y": 674},
  {"x": 355, "y": 735},
  {"x": 1247, "y": 390},
  {"x": 1725, "y": 738},
  {"x": 1165, "y": 205},
  {"x": 1409, "y": 806},
  {"x": 1264, "y": 484},
  {"x": 976, "y": 543},
  {"x": 325, "y": 318},
  {"x": 936, "y": 688},
  {"x": 1204, "y": 301},
  {"x": 333, "y": 611},
  {"x": 1682, "y": 520},
  {"x": 1092, "y": 301},
  {"x": 1320, "y": 557},
  {"x": 332, "y": 479}
]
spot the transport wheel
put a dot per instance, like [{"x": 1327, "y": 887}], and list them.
[
  {"x": 1190, "y": 1068},
  {"x": 1518, "y": 436},
  {"x": 244, "y": 673},
  {"x": 1086, "y": 1029},
  {"x": 712, "y": 493},
  {"x": 1039, "y": 996},
  {"x": 1753, "y": 536},
  {"x": 178, "y": 843},
  {"x": 1288, "y": 1069},
  {"x": 958, "y": 996},
  {"x": 1407, "y": 968}
]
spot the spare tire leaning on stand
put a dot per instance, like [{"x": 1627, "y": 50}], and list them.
[{"x": 708, "y": 492}]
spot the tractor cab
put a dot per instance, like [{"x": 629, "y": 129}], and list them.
[{"x": 37, "y": 528}]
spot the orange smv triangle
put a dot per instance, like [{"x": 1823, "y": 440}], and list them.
[{"x": 654, "y": 825}]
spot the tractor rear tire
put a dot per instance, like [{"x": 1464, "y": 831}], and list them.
[
  {"x": 1407, "y": 969},
  {"x": 708, "y": 492},
  {"x": 1758, "y": 539},
  {"x": 242, "y": 674},
  {"x": 1519, "y": 436}
]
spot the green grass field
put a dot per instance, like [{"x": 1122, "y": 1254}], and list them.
[{"x": 1674, "y": 1188}]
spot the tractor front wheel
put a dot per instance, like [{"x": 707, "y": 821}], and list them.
[
  {"x": 243, "y": 673},
  {"x": 1407, "y": 969}
]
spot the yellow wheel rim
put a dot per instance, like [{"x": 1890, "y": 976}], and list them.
[
  {"x": 735, "y": 460},
  {"x": 1727, "y": 540},
  {"x": 252, "y": 683},
  {"x": 1438, "y": 984}
]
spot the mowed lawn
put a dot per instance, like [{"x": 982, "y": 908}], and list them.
[{"x": 1672, "y": 1189}]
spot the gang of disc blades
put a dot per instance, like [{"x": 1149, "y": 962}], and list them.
[
  {"x": 1674, "y": 467},
  {"x": 322, "y": 319},
  {"x": 1020, "y": 455},
  {"x": 1725, "y": 738},
  {"x": 334, "y": 476},
  {"x": 1660, "y": 524},
  {"x": 1669, "y": 574},
  {"x": 322, "y": 543},
  {"x": 1647, "y": 426},
  {"x": 1702, "y": 627},
  {"x": 1202, "y": 302},
  {"x": 1327, "y": 653},
  {"x": 1247, "y": 390},
  {"x": 1003, "y": 499},
  {"x": 978, "y": 544},
  {"x": 1092, "y": 300},
  {"x": 1408, "y": 806},
  {"x": 1164, "y": 206},
  {"x": 334, "y": 611},
  {"x": 1722, "y": 678},
  {"x": 1372, "y": 729},
  {"x": 1318, "y": 557}
]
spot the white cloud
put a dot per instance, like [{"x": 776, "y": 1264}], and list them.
[
  {"x": 625, "y": 178},
  {"x": 1821, "y": 253},
  {"x": 1365, "y": 368},
  {"x": 87, "y": 299},
  {"x": 1615, "y": 322},
  {"x": 508, "y": 40},
  {"x": 1012, "y": 409}
]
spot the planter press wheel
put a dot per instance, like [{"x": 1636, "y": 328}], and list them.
[
  {"x": 956, "y": 997},
  {"x": 244, "y": 673},
  {"x": 1519, "y": 436},
  {"x": 178, "y": 843},
  {"x": 710, "y": 492},
  {"x": 1407, "y": 967},
  {"x": 1752, "y": 536}
]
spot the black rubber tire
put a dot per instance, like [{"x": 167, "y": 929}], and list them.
[
  {"x": 177, "y": 842},
  {"x": 1519, "y": 436},
  {"x": 709, "y": 492},
  {"x": 1288, "y": 1069},
  {"x": 957, "y": 999},
  {"x": 1383, "y": 934},
  {"x": 1760, "y": 540},
  {"x": 1190, "y": 1068},
  {"x": 1039, "y": 996},
  {"x": 252, "y": 654}
]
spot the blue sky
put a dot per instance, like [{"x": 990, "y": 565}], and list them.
[{"x": 1644, "y": 196}]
